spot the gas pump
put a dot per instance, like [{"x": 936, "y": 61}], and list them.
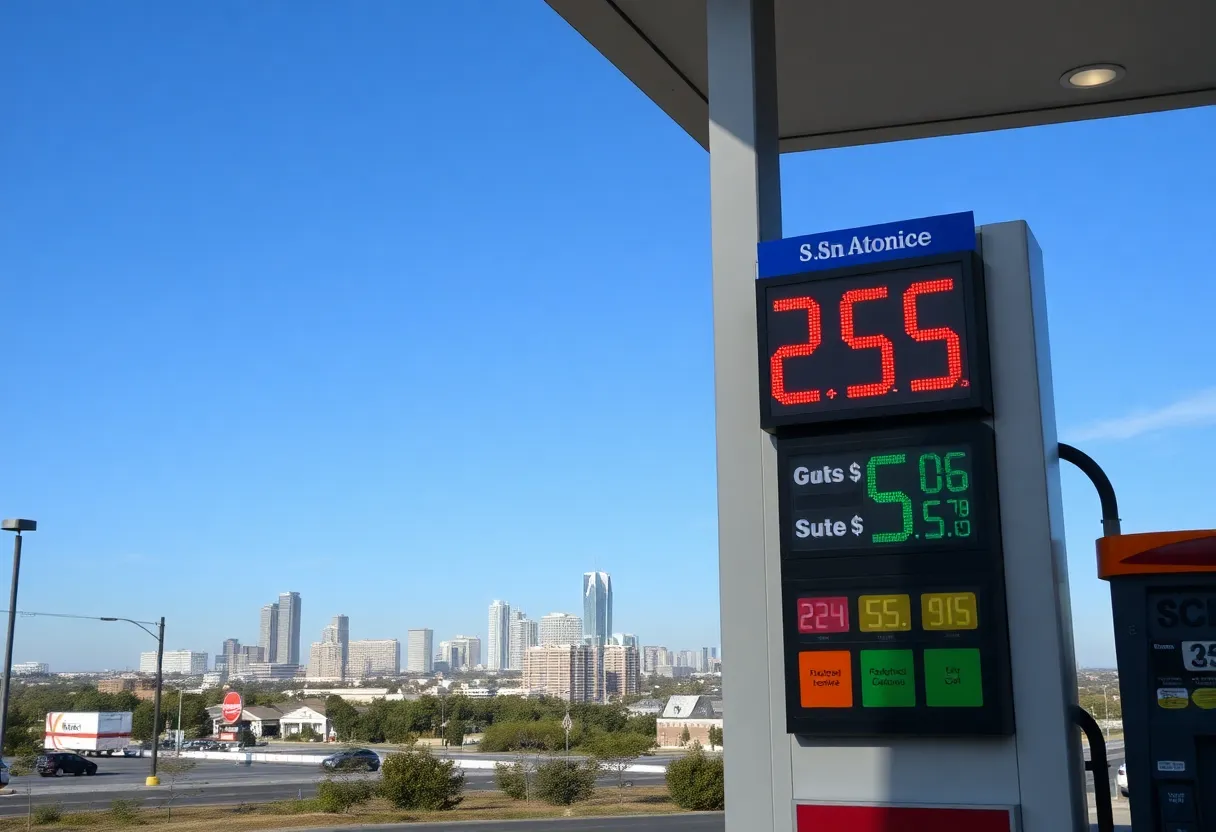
[{"x": 1163, "y": 595}]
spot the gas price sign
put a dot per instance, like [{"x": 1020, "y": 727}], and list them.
[
  {"x": 841, "y": 345},
  {"x": 893, "y": 583},
  {"x": 886, "y": 497}
]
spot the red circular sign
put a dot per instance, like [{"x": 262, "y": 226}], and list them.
[{"x": 233, "y": 705}]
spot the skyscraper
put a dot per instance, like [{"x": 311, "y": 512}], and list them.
[
  {"x": 268, "y": 634},
  {"x": 561, "y": 628},
  {"x": 288, "y": 651},
  {"x": 597, "y": 607},
  {"x": 338, "y": 632},
  {"x": 419, "y": 651},
  {"x": 525, "y": 633},
  {"x": 498, "y": 636}
]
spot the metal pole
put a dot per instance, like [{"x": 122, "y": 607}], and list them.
[
  {"x": 179, "y": 720},
  {"x": 8, "y": 644},
  {"x": 1106, "y": 492},
  {"x": 153, "y": 780}
]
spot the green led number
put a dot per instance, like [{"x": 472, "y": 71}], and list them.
[
  {"x": 888, "y": 497},
  {"x": 925, "y": 486},
  {"x": 956, "y": 481},
  {"x": 929, "y": 518}
]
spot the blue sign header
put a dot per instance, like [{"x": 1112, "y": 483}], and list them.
[{"x": 872, "y": 244}]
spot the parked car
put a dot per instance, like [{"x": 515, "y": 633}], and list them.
[
  {"x": 64, "y": 762},
  {"x": 4, "y": 773},
  {"x": 352, "y": 760},
  {"x": 136, "y": 749},
  {"x": 1121, "y": 779}
]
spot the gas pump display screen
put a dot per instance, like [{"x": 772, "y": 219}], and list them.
[
  {"x": 893, "y": 584},
  {"x": 837, "y": 346},
  {"x": 929, "y": 496}
]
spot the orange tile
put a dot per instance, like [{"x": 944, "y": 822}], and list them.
[{"x": 825, "y": 679}]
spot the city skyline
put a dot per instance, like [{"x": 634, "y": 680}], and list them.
[{"x": 510, "y": 633}]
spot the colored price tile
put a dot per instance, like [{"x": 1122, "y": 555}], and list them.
[
  {"x": 948, "y": 611},
  {"x": 884, "y": 613}
]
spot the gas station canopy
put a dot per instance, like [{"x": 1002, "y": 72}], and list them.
[{"x": 853, "y": 72}]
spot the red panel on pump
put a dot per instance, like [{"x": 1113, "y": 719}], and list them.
[{"x": 820, "y": 818}]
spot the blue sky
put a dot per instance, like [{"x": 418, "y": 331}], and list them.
[{"x": 406, "y": 307}]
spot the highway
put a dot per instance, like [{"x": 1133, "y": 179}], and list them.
[{"x": 209, "y": 782}]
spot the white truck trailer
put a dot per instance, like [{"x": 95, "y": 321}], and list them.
[{"x": 90, "y": 733}]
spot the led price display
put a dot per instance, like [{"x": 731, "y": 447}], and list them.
[
  {"x": 922, "y": 496},
  {"x": 884, "y": 613},
  {"x": 838, "y": 347},
  {"x": 823, "y": 615},
  {"x": 949, "y": 611}
]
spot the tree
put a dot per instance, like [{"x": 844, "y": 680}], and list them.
[
  {"x": 176, "y": 770},
  {"x": 453, "y": 733},
  {"x": 614, "y": 753},
  {"x": 246, "y": 738},
  {"x": 416, "y": 779},
  {"x": 343, "y": 716},
  {"x": 715, "y": 737},
  {"x": 562, "y": 782},
  {"x": 685, "y": 736},
  {"x": 697, "y": 782}
]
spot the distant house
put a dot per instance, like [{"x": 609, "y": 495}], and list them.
[
  {"x": 262, "y": 720},
  {"x": 694, "y": 714},
  {"x": 307, "y": 713}
]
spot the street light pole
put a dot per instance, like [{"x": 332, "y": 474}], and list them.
[
  {"x": 17, "y": 526},
  {"x": 152, "y": 779},
  {"x": 159, "y": 635},
  {"x": 178, "y": 737}
]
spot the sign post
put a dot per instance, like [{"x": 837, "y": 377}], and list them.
[{"x": 927, "y": 662}]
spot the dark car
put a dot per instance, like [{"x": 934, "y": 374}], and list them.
[
  {"x": 355, "y": 759},
  {"x": 61, "y": 762}
]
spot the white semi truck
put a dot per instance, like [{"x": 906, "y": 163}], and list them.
[{"x": 90, "y": 733}]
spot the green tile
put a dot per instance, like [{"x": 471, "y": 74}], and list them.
[
  {"x": 952, "y": 678},
  {"x": 888, "y": 679}
]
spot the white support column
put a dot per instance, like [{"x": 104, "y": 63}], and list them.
[{"x": 745, "y": 194}]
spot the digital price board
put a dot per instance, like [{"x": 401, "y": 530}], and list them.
[
  {"x": 931, "y": 495},
  {"x": 861, "y": 342},
  {"x": 893, "y": 583}
]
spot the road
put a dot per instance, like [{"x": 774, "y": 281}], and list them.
[{"x": 209, "y": 783}]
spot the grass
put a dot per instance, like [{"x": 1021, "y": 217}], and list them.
[{"x": 302, "y": 814}]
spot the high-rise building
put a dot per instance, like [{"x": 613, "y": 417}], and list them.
[
  {"x": 419, "y": 651},
  {"x": 627, "y": 639},
  {"x": 569, "y": 671},
  {"x": 525, "y": 633},
  {"x": 686, "y": 658},
  {"x": 650, "y": 658},
  {"x": 704, "y": 665},
  {"x": 231, "y": 647},
  {"x": 713, "y": 652},
  {"x": 622, "y": 675},
  {"x": 498, "y": 636},
  {"x": 185, "y": 662},
  {"x": 461, "y": 653},
  {"x": 268, "y": 633},
  {"x": 597, "y": 607},
  {"x": 338, "y": 632},
  {"x": 561, "y": 628},
  {"x": 373, "y": 657},
  {"x": 325, "y": 661},
  {"x": 289, "y": 629}
]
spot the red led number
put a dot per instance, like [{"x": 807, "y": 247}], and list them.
[
  {"x": 866, "y": 342},
  {"x": 814, "y": 327},
  {"x": 954, "y": 352},
  {"x": 823, "y": 615},
  {"x": 880, "y": 342}
]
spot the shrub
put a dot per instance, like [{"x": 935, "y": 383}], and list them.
[
  {"x": 51, "y": 813},
  {"x": 124, "y": 812},
  {"x": 415, "y": 779},
  {"x": 340, "y": 796},
  {"x": 562, "y": 782},
  {"x": 512, "y": 780},
  {"x": 526, "y": 735},
  {"x": 696, "y": 782}
]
